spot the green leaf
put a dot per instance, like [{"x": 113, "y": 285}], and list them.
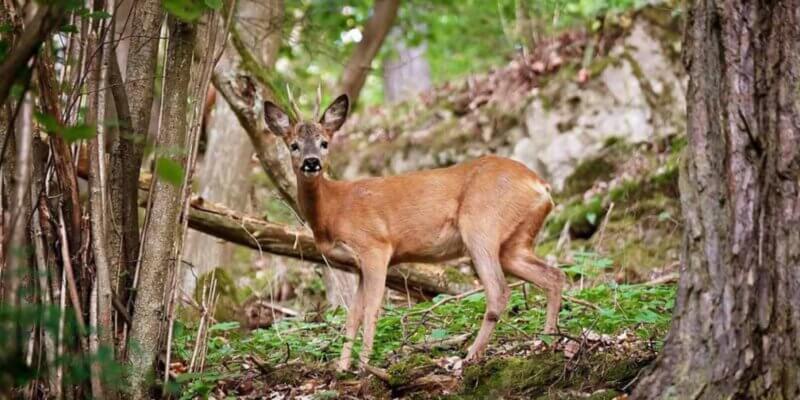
[
  {"x": 186, "y": 10},
  {"x": 99, "y": 15},
  {"x": 224, "y": 326},
  {"x": 169, "y": 170},
  {"x": 48, "y": 122},
  {"x": 75, "y": 133},
  {"x": 591, "y": 217},
  {"x": 69, "y": 28},
  {"x": 214, "y": 4},
  {"x": 439, "y": 334}
]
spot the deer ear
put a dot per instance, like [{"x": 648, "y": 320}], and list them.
[
  {"x": 277, "y": 120},
  {"x": 333, "y": 118}
]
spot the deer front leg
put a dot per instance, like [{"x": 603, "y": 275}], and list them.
[
  {"x": 373, "y": 282},
  {"x": 354, "y": 316}
]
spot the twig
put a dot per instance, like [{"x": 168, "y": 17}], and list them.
[
  {"x": 581, "y": 302},
  {"x": 73, "y": 291},
  {"x": 438, "y": 344},
  {"x": 378, "y": 372},
  {"x": 664, "y": 279},
  {"x": 599, "y": 242},
  {"x": 457, "y": 297}
]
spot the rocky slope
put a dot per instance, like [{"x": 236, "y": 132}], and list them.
[{"x": 550, "y": 110}]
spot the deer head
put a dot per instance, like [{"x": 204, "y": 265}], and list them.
[{"x": 307, "y": 140}]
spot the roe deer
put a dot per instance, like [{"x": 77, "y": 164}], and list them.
[{"x": 490, "y": 208}]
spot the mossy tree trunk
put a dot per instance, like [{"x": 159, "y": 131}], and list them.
[{"x": 736, "y": 328}]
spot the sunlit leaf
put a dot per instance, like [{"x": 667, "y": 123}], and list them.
[
  {"x": 214, "y": 4},
  {"x": 224, "y": 326},
  {"x": 48, "y": 122},
  {"x": 79, "y": 132},
  {"x": 438, "y": 334},
  {"x": 69, "y": 28},
  {"x": 169, "y": 170},
  {"x": 186, "y": 10}
]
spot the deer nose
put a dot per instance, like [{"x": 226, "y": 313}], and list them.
[{"x": 311, "y": 164}]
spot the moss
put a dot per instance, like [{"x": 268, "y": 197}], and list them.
[
  {"x": 541, "y": 375},
  {"x": 599, "y": 65},
  {"x": 405, "y": 371},
  {"x": 326, "y": 395},
  {"x": 453, "y": 275},
  {"x": 583, "y": 218},
  {"x": 586, "y": 174},
  {"x": 599, "y": 168},
  {"x": 228, "y": 302}
]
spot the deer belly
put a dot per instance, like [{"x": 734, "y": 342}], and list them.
[{"x": 431, "y": 246}]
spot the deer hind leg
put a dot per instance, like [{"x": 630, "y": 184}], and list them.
[
  {"x": 487, "y": 265},
  {"x": 373, "y": 282},
  {"x": 522, "y": 263}
]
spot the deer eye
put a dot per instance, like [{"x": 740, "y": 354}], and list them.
[
  {"x": 324, "y": 144},
  {"x": 294, "y": 147}
]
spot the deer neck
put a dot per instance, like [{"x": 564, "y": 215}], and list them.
[{"x": 312, "y": 195}]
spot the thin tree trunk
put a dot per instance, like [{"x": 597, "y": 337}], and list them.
[
  {"x": 16, "y": 244},
  {"x": 736, "y": 326},
  {"x": 407, "y": 74},
  {"x": 101, "y": 288},
  {"x": 524, "y": 26},
  {"x": 360, "y": 63},
  {"x": 163, "y": 226},
  {"x": 127, "y": 152},
  {"x": 46, "y": 19}
]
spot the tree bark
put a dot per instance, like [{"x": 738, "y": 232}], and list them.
[
  {"x": 163, "y": 227},
  {"x": 736, "y": 325},
  {"x": 360, "y": 63},
  {"x": 240, "y": 91},
  {"x": 16, "y": 245},
  {"x": 127, "y": 152},
  {"x": 101, "y": 289},
  {"x": 46, "y": 19}
]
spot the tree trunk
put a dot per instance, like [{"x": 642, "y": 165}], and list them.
[
  {"x": 524, "y": 27},
  {"x": 163, "y": 226},
  {"x": 360, "y": 63},
  {"x": 407, "y": 74},
  {"x": 127, "y": 152},
  {"x": 226, "y": 168},
  {"x": 736, "y": 326}
]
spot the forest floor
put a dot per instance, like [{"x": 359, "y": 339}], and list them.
[{"x": 609, "y": 332}]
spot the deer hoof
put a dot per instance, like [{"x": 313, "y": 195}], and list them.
[{"x": 343, "y": 366}]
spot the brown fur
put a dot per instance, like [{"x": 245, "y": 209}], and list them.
[{"x": 490, "y": 209}]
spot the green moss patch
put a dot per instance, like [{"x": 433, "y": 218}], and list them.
[{"x": 548, "y": 374}]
